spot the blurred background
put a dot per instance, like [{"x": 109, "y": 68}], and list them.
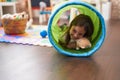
[{"x": 110, "y": 9}]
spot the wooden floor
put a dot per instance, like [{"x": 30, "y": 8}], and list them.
[{"x": 27, "y": 62}]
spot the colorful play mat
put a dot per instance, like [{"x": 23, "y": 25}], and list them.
[{"x": 31, "y": 37}]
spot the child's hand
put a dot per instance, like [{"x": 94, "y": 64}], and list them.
[{"x": 71, "y": 45}]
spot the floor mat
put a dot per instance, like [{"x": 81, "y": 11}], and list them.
[{"x": 31, "y": 37}]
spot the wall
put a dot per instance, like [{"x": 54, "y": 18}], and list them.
[{"x": 115, "y": 9}]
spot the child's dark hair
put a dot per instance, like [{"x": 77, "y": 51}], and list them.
[
  {"x": 83, "y": 21},
  {"x": 86, "y": 22}
]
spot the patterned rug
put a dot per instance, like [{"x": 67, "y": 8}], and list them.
[{"x": 31, "y": 37}]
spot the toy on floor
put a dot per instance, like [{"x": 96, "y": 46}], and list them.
[
  {"x": 43, "y": 33},
  {"x": 15, "y": 16},
  {"x": 14, "y": 23},
  {"x": 83, "y": 43}
]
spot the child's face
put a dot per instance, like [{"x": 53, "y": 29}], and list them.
[{"x": 77, "y": 32}]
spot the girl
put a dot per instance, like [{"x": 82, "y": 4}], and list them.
[{"x": 80, "y": 27}]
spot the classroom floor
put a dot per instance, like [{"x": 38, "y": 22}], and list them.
[{"x": 28, "y": 62}]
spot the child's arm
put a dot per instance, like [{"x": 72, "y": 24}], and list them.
[{"x": 71, "y": 45}]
